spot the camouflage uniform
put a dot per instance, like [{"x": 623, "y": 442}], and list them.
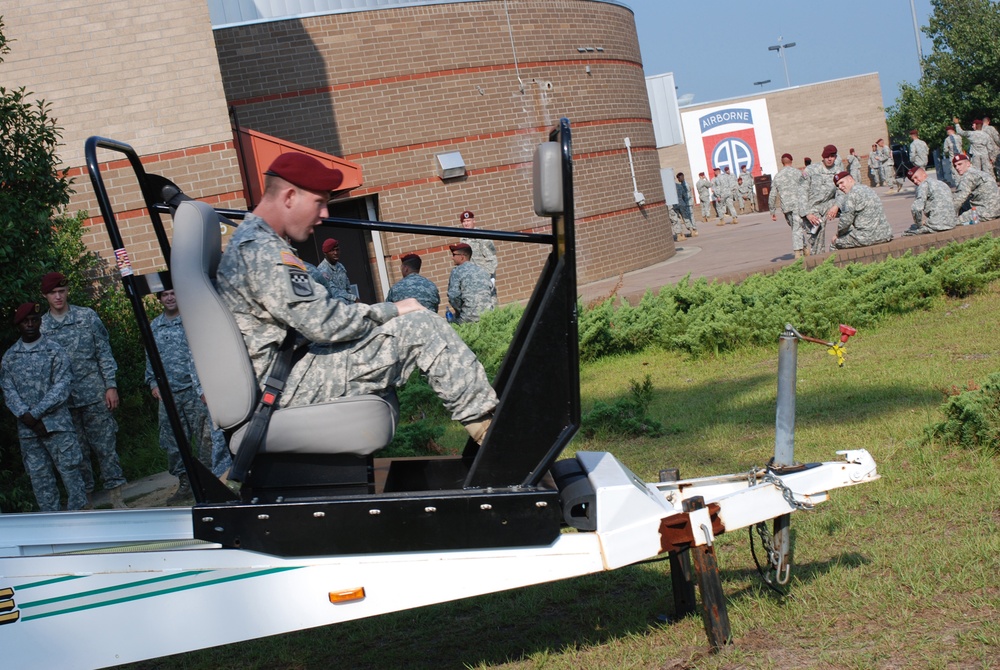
[
  {"x": 178, "y": 365},
  {"x": 726, "y": 194},
  {"x": 888, "y": 167},
  {"x": 787, "y": 186},
  {"x": 416, "y": 286},
  {"x": 976, "y": 189},
  {"x": 484, "y": 254},
  {"x": 819, "y": 194},
  {"x": 36, "y": 378},
  {"x": 334, "y": 278},
  {"x": 875, "y": 168},
  {"x": 85, "y": 339},
  {"x": 952, "y": 147},
  {"x": 746, "y": 191},
  {"x": 684, "y": 205},
  {"x": 994, "y": 149},
  {"x": 676, "y": 227},
  {"x": 704, "y": 196},
  {"x": 933, "y": 198},
  {"x": 356, "y": 349},
  {"x": 979, "y": 148},
  {"x": 919, "y": 152},
  {"x": 469, "y": 292},
  {"x": 862, "y": 220},
  {"x": 854, "y": 167}
]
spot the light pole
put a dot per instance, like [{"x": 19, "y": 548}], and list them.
[
  {"x": 761, "y": 83},
  {"x": 780, "y": 48}
]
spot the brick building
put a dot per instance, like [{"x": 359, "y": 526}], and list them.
[{"x": 386, "y": 85}]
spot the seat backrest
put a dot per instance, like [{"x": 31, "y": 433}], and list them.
[{"x": 220, "y": 354}]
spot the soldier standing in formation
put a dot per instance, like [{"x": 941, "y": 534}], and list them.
[
  {"x": 468, "y": 287},
  {"x": 994, "y": 151},
  {"x": 332, "y": 274},
  {"x": 875, "y": 166},
  {"x": 933, "y": 201},
  {"x": 355, "y": 349},
  {"x": 819, "y": 200},
  {"x": 977, "y": 195},
  {"x": 178, "y": 364},
  {"x": 484, "y": 252},
  {"x": 35, "y": 375},
  {"x": 93, "y": 391},
  {"x": 862, "y": 217},
  {"x": 414, "y": 285},
  {"x": 787, "y": 187},
  {"x": 704, "y": 188},
  {"x": 919, "y": 151}
]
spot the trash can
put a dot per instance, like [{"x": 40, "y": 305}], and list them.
[{"x": 762, "y": 189}]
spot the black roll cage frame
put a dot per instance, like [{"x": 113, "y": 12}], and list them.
[{"x": 537, "y": 382}]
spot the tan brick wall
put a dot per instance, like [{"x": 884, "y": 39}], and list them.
[
  {"x": 391, "y": 88},
  {"x": 142, "y": 73},
  {"x": 845, "y": 112}
]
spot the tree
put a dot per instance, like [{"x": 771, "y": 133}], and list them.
[
  {"x": 32, "y": 192},
  {"x": 961, "y": 75}
]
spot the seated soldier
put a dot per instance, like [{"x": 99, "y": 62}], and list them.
[
  {"x": 862, "y": 218},
  {"x": 933, "y": 200},
  {"x": 355, "y": 349}
]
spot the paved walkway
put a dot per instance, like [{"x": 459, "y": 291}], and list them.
[{"x": 755, "y": 244}]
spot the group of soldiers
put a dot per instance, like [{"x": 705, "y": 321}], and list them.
[
  {"x": 58, "y": 379},
  {"x": 727, "y": 194},
  {"x": 472, "y": 285},
  {"x": 813, "y": 197}
]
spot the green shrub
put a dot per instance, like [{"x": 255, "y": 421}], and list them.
[
  {"x": 625, "y": 416},
  {"x": 972, "y": 417}
]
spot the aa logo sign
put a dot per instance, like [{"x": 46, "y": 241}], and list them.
[{"x": 730, "y": 141}]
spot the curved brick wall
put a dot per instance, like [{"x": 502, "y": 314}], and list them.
[{"x": 391, "y": 88}]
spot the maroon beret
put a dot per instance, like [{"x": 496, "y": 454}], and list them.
[
  {"x": 841, "y": 175},
  {"x": 461, "y": 246},
  {"x": 788, "y": 156},
  {"x": 466, "y": 215},
  {"x": 52, "y": 281},
  {"x": 829, "y": 150},
  {"x": 305, "y": 172},
  {"x": 329, "y": 244},
  {"x": 26, "y": 310},
  {"x": 914, "y": 132},
  {"x": 701, "y": 174},
  {"x": 977, "y": 122},
  {"x": 912, "y": 171},
  {"x": 959, "y": 157}
]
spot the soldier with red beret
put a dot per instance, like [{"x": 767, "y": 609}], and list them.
[{"x": 35, "y": 376}]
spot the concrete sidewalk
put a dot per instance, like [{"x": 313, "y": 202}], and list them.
[{"x": 755, "y": 244}]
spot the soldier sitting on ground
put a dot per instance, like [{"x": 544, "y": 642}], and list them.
[
  {"x": 862, "y": 217},
  {"x": 976, "y": 196},
  {"x": 933, "y": 200}
]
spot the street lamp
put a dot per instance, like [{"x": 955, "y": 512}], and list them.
[
  {"x": 780, "y": 48},
  {"x": 761, "y": 83}
]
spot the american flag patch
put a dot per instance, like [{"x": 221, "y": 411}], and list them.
[{"x": 288, "y": 258}]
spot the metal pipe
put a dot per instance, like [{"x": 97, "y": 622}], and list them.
[{"x": 784, "y": 435}]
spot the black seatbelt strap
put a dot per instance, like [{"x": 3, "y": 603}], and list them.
[{"x": 269, "y": 397}]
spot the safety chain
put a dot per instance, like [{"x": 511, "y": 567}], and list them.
[{"x": 786, "y": 492}]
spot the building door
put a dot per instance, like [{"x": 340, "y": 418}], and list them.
[{"x": 355, "y": 247}]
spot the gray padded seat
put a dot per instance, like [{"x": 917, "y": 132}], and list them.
[{"x": 352, "y": 425}]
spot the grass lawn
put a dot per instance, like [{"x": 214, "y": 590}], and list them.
[{"x": 901, "y": 573}]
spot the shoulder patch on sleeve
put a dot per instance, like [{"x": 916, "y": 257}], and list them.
[
  {"x": 290, "y": 259},
  {"x": 301, "y": 284}
]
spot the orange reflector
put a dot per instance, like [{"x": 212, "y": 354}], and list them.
[{"x": 347, "y": 596}]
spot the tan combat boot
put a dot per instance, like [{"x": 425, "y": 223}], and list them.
[{"x": 477, "y": 429}]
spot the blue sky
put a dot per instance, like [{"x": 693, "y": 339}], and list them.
[{"x": 718, "y": 49}]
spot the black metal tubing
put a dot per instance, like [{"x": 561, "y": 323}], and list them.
[
  {"x": 412, "y": 228},
  {"x": 204, "y": 485}
]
